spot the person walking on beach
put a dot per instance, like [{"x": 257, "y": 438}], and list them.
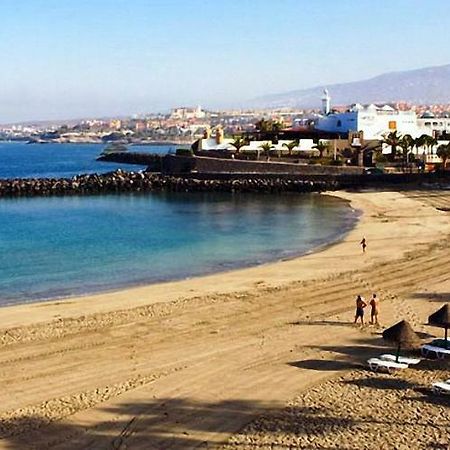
[
  {"x": 360, "y": 305},
  {"x": 363, "y": 244},
  {"x": 374, "y": 309}
]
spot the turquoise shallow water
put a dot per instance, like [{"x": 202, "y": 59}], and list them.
[{"x": 59, "y": 247}]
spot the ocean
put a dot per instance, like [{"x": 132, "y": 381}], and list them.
[
  {"x": 56, "y": 247},
  {"x": 21, "y": 160}
]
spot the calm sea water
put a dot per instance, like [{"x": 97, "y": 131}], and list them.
[
  {"x": 21, "y": 160},
  {"x": 63, "y": 246}
]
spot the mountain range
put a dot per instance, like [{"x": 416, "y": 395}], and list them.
[{"x": 429, "y": 85}]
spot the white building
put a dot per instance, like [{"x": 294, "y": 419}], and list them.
[
  {"x": 430, "y": 124},
  {"x": 374, "y": 121},
  {"x": 187, "y": 113},
  {"x": 218, "y": 142}
]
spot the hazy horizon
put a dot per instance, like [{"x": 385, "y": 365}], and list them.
[{"x": 97, "y": 58}]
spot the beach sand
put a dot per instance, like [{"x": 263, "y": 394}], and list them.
[{"x": 191, "y": 363}]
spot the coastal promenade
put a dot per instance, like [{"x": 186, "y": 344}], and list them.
[{"x": 188, "y": 364}]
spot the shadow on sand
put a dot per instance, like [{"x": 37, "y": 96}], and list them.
[
  {"x": 443, "y": 297},
  {"x": 159, "y": 424},
  {"x": 323, "y": 364}
]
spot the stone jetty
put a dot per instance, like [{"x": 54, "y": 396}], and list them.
[{"x": 120, "y": 181}]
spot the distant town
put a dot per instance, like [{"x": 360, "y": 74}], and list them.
[
  {"x": 414, "y": 136},
  {"x": 186, "y": 124}
]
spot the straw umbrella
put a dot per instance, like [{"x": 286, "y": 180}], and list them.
[
  {"x": 441, "y": 318},
  {"x": 402, "y": 334}
]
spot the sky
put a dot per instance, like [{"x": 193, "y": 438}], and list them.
[{"x": 64, "y": 59}]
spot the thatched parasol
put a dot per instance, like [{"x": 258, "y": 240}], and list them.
[
  {"x": 402, "y": 334},
  {"x": 441, "y": 318}
]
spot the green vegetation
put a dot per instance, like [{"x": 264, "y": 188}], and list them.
[
  {"x": 321, "y": 147},
  {"x": 266, "y": 147},
  {"x": 238, "y": 143},
  {"x": 269, "y": 125},
  {"x": 291, "y": 145},
  {"x": 393, "y": 140},
  {"x": 443, "y": 151}
]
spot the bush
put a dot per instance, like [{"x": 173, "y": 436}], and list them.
[
  {"x": 380, "y": 158},
  {"x": 336, "y": 162}
]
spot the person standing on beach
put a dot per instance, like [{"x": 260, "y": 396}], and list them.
[
  {"x": 374, "y": 309},
  {"x": 363, "y": 244},
  {"x": 360, "y": 305}
]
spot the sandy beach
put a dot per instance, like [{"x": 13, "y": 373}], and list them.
[{"x": 265, "y": 357}]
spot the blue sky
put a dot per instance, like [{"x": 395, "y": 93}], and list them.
[{"x": 80, "y": 58}]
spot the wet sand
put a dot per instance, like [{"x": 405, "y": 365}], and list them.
[{"x": 189, "y": 364}]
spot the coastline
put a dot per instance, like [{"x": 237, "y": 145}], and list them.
[
  {"x": 350, "y": 221},
  {"x": 187, "y": 364},
  {"x": 270, "y": 275}
]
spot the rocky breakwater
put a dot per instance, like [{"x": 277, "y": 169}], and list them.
[{"x": 121, "y": 181}]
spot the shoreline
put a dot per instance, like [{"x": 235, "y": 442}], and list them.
[
  {"x": 184, "y": 364},
  {"x": 351, "y": 221},
  {"x": 269, "y": 275}
]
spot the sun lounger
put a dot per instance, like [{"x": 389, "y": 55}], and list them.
[
  {"x": 440, "y": 343},
  {"x": 377, "y": 364},
  {"x": 441, "y": 387},
  {"x": 440, "y": 352},
  {"x": 401, "y": 359}
]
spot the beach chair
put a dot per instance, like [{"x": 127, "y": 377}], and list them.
[
  {"x": 441, "y": 387},
  {"x": 440, "y": 343},
  {"x": 377, "y": 364},
  {"x": 439, "y": 352},
  {"x": 401, "y": 359}
]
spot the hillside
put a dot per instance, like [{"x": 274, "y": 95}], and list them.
[{"x": 421, "y": 86}]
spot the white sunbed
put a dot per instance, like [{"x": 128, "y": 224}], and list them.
[
  {"x": 377, "y": 364},
  {"x": 440, "y": 352},
  {"x": 441, "y": 387},
  {"x": 401, "y": 359}
]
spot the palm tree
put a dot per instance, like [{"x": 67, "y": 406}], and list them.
[
  {"x": 263, "y": 125},
  {"x": 420, "y": 142},
  {"x": 321, "y": 146},
  {"x": 393, "y": 140},
  {"x": 406, "y": 143},
  {"x": 269, "y": 125},
  {"x": 266, "y": 147},
  {"x": 238, "y": 143},
  {"x": 291, "y": 145},
  {"x": 430, "y": 142},
  {"x": 443, "y": 151}
]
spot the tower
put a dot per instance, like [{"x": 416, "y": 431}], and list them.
[{"x": 326, "y": 101}]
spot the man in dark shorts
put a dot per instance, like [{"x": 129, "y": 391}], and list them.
[
  {"x": 360, "y": 305},
  {"x": 374, "y": 309}
]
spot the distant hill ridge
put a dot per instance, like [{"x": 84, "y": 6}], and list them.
[{"x": 419, "y": 86}]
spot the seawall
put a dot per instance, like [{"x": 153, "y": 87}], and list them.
[
  {"x": 120, "y": 181},
  {"x": 176, "y": 165}
]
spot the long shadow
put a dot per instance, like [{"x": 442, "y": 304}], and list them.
[
  {"x": 323, "y": 322},
  {"x": 443, "y": 297},
  {"x": 381, "y": 383},
  {"x": 324, "y": 364},
  {"x": 357, "y": 352},
  {"x": 427, "y": 396},
  {"x": 159, "y": 424},
  {"x": 174, "y": 423},
  {"x": 350, "y": 356}
]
